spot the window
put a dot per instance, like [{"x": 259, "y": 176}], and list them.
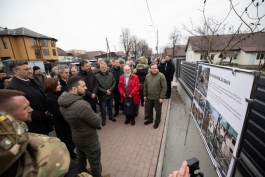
[
  {"x": 44, "y": 42},
  {"x": 233, "y": 142},
  {"x": 34, "y": 41},
  {"x": 5, "y": 58},
  {"x": 46, "y": 52},
  {"x": 260, "y": 56},
  {"x": 4, "y": 42},
  {"x": 235, "y": 57},
  {"x": 52, "y": 43},
  {"x": 54, "y": 52},
  {"x": 37, "y": 52},
  {"x": 231, "y": 150},
  {"x": 201, "y": 57}
]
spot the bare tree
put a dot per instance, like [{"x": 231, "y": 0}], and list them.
[
  {"x": 126, "y": 42},
  {"x": 218, "y": 32},
  {"x": 134, "y": 43},
  {"x": 142, "y": 47},
  {"x": 174, "y": 38}
]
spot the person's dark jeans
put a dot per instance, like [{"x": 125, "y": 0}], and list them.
[
  {"x": 150, "y": 104},
  {"x": 168, "y": 93},
  {"x": 93, "y": 154},
  {"x": 106, "y": 104}
]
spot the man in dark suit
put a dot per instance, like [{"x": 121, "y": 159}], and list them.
[
  {"x": 169, "y": 73},
  {"x": 41, "y": 120}
]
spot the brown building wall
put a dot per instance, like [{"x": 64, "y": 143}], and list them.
[{"x": 23, "y": 48}]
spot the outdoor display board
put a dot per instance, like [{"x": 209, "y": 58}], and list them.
[{"x": 219, "y": 110}]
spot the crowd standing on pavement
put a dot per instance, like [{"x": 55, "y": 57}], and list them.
[{"x": 67, "y": 103}]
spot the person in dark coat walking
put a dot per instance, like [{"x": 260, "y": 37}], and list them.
[
  {"x": 169, "y": 73},
  {"x": 41, "y": 119},
  {"x": 117, "y": 72},
  {"x": 91, "y": 83},
  {"x": 63, "y": 131}
]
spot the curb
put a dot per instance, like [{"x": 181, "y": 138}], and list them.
[{"x": 163, "y": 145}]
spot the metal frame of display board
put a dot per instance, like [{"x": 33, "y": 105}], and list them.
[{"x": 256, "y": 75}]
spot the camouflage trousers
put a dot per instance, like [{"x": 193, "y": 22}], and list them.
[{"x": 93, "y": 154}]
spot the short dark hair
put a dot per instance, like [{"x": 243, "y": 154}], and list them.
[
  {"x": 152, "y": 64},
  {"x": 73, "y": 82},
  {"x": 16, "y": 64},
  {"x": 6, "y": 99},
  {"x": 50, "y": 85},
  {"x": 82, "y": 63},
  {"x": 115, "y": 59}
]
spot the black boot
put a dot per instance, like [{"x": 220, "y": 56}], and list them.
[
  {"x": 128, "y": 120},
  {"x": 133, "y": 121}
]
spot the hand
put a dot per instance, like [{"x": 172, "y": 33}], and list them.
[
  {"x": 145, "y": 99},
  {"x": 124, "y": 95},
  {"x": 47, "y": 114},
  {"x": 108, "y": 92},
  {"x": 160, "y": 100},
  {"x": 130, "y": 96},
  {"x": 93, "y": 95},
  {"x": 183, "y": 171}
]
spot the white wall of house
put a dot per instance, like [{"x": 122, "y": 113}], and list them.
[{"x": 64, "y": 58}]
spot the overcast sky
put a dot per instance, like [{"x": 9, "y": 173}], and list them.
[{"x": 85, "y": 24}]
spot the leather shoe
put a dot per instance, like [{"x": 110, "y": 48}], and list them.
[
  {"x": 115, "y": 115},
  {"x": 98, "y": 128},
  {"x": 127, "y": 121},
  {"x": 112, "y": 119},
  {"x": 133, "y": 122},
  {"x": 142, "y": 104},
  {"x": 148, "y": 122},
  {"x": 103, "y": 123},
  {"x": 155, "y": 126}
]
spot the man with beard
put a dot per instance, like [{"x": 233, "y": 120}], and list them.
[
  {"x": 169, "y": 73},
  {"x": 117, "y": 72},
  {"x": 41, "y": 119},
  {"x": 91, "y": 83},
  {"x": 83, "y": 122}
]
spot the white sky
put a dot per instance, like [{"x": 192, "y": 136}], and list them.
[{"x": 85, "y": 24}]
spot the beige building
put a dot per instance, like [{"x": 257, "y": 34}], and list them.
[{"x": 24, "y": 44}]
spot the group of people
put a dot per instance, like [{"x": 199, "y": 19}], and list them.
[{"x": 69, "y": 103}]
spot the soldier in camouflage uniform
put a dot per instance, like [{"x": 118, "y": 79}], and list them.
[{"x": 28, "y": 154}]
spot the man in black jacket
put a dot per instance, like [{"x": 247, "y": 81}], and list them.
[
  {"x": 91, "y": 83},
  {"x": 169, "y": 73},
  {"x": 41, "y": 120},
  {"x": 117, "y": 72}
]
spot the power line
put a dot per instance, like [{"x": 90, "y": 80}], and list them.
[{"x": 150, "y": 16}]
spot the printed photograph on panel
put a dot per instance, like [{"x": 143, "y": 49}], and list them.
[
  {"x": 203, "y": 80},
  {"x": 197, "y": 113},
  {"x": 200, "y": 99},
  {"x": 220, "y": 137}
]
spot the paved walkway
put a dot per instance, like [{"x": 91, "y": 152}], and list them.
[{"x": 131, "y": 150}]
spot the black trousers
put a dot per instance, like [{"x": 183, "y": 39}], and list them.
[
  {"x": 117, "y": 102},
  {"x": 168, "y": 93}
]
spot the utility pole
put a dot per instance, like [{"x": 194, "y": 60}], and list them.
[
  {"x": 157, "y": 43},
  {"x": 108, "y": 50}
]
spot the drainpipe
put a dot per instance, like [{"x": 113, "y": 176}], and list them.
[
  {"x": 25, "y": 48},
  {"x": 12, "y": 48}
]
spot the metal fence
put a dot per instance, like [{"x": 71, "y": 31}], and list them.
[{"x": 252, "y": 157}]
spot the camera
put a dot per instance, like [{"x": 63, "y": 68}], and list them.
[{"x": 193, "y": 165}]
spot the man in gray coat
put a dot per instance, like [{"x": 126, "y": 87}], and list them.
[{"x": 83, "y": 122}]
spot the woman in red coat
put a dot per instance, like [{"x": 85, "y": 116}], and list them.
[{"x": 129, "y": 86}]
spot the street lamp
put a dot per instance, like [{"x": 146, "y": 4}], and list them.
[{"x": 156, "y": 40}]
